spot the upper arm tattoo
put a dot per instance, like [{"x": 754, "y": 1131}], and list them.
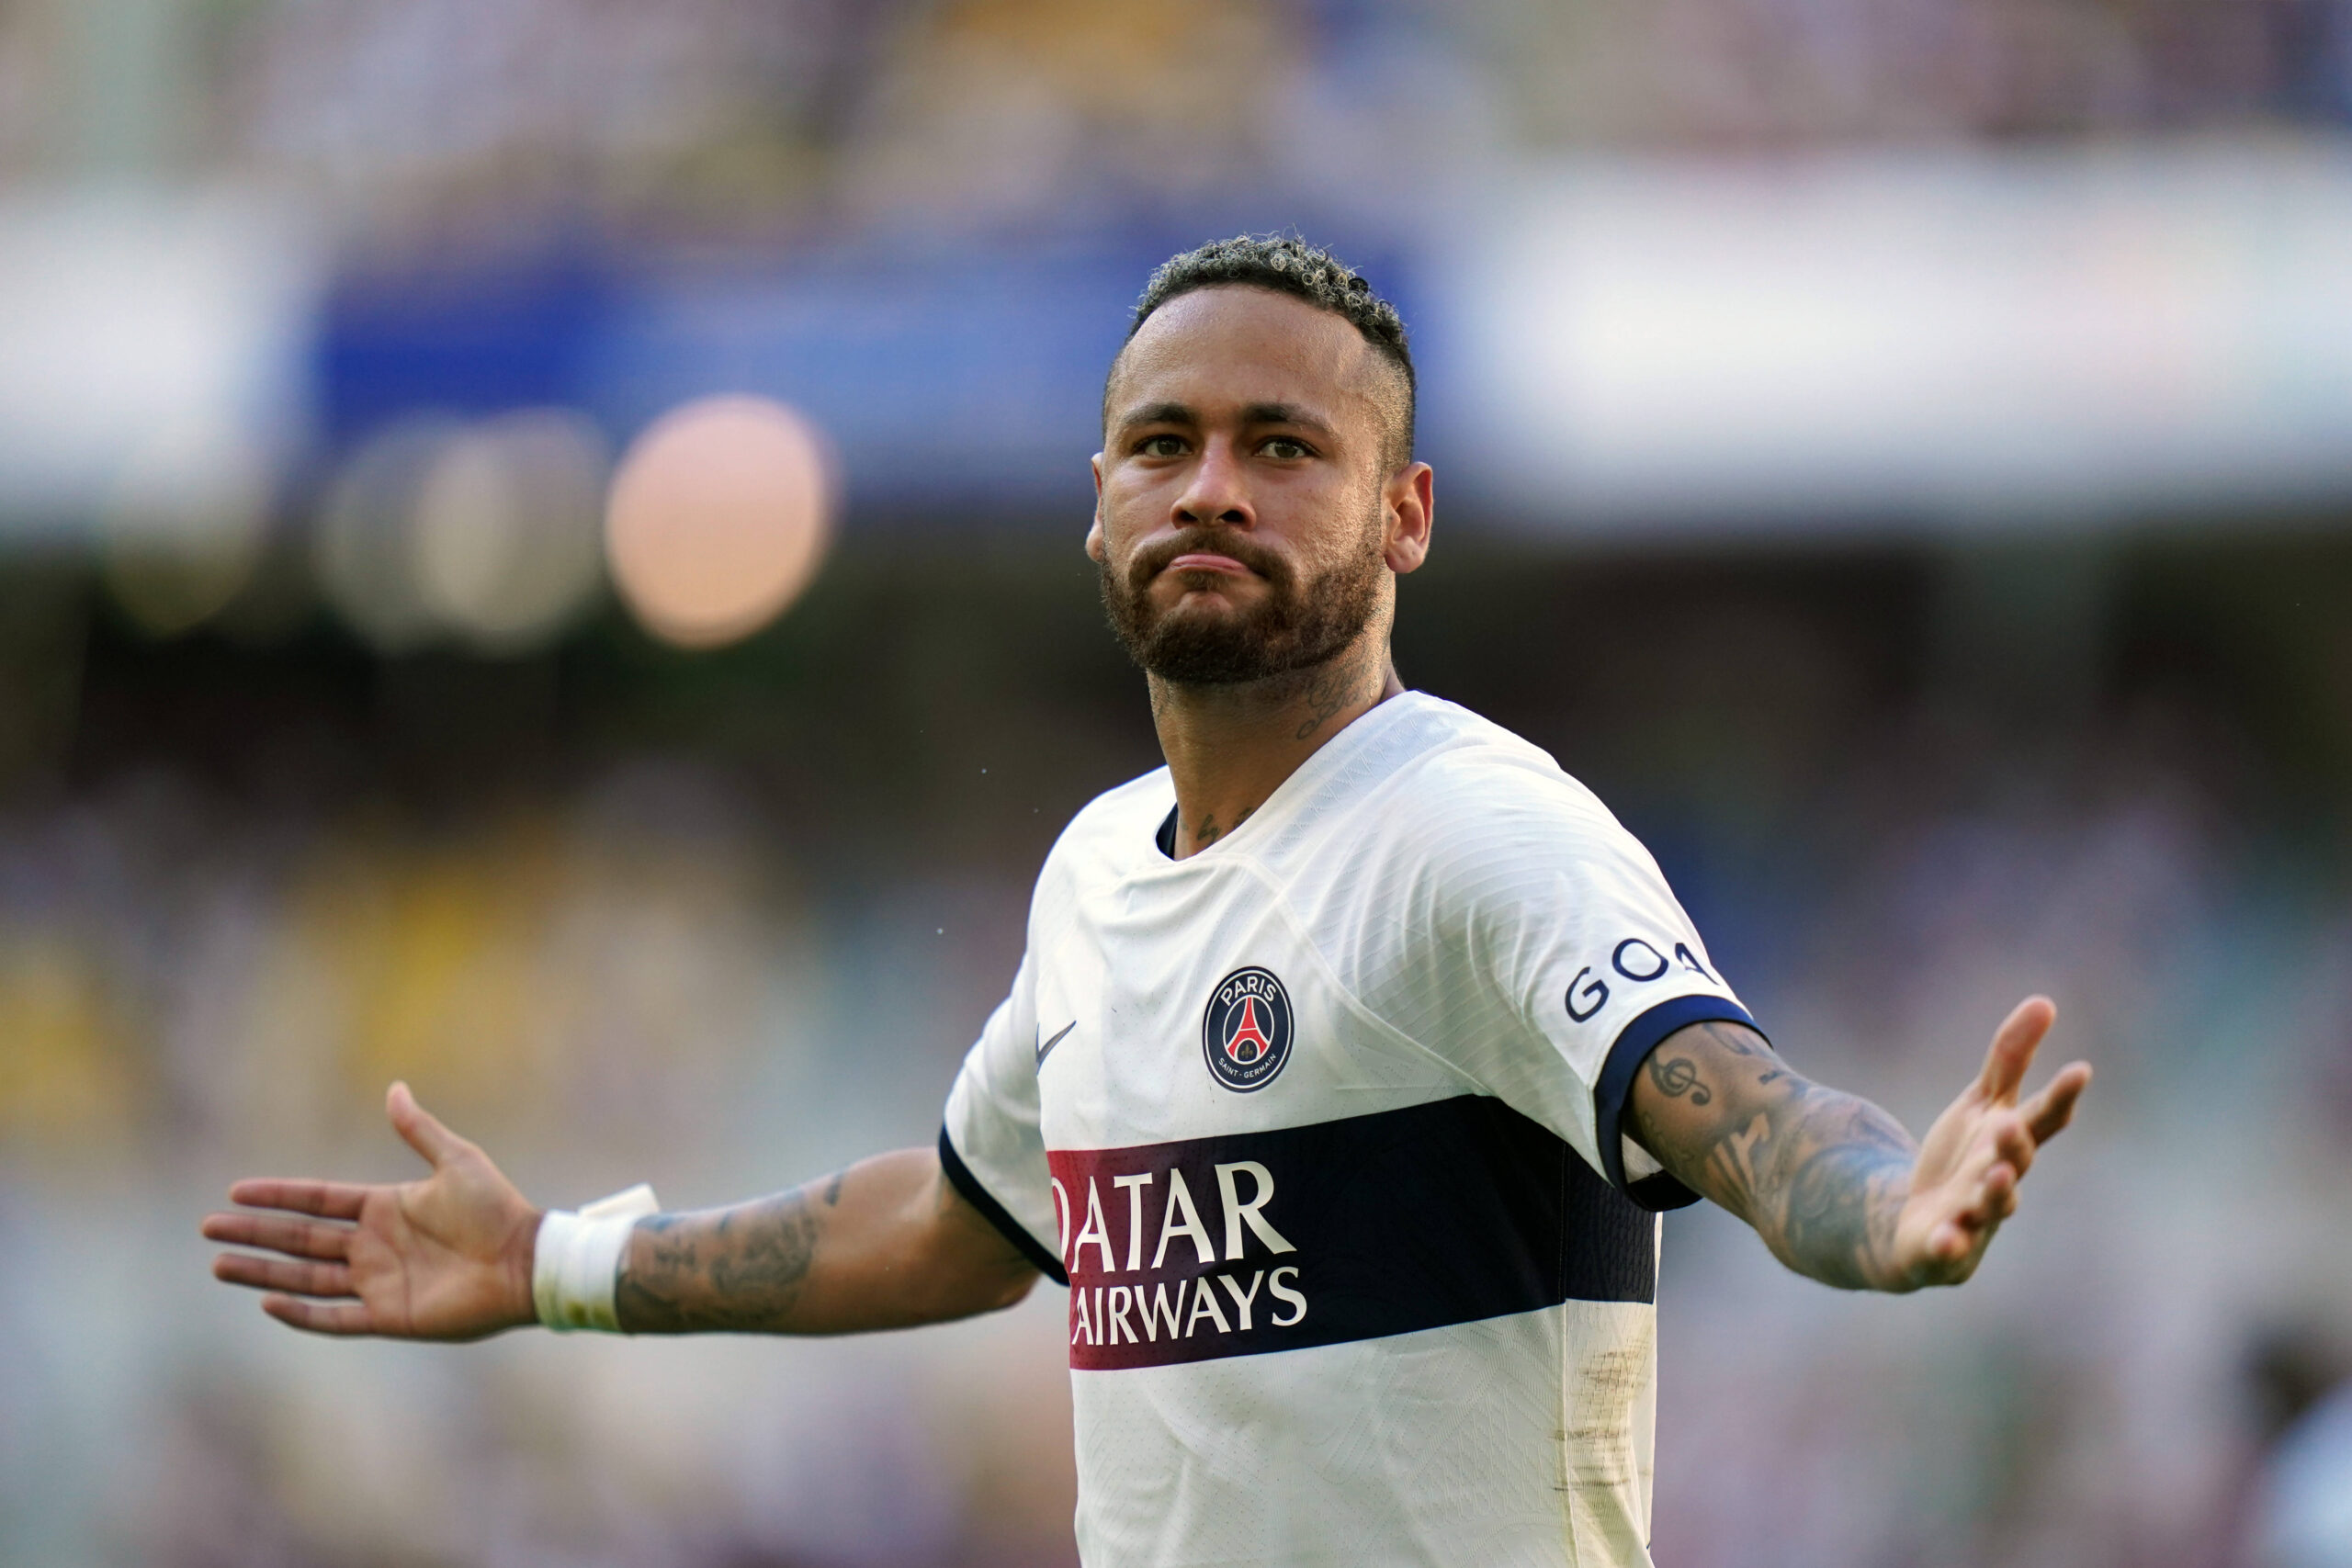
[{"x": 1820, "y": 1174}]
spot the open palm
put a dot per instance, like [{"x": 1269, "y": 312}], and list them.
[
  {"x": 1965, "y": 1180},
  {"x": 446, "y": 1256}
]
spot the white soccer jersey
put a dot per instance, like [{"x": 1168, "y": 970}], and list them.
[{"x": 1320, "y": 1128}]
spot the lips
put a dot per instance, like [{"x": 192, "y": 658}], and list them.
[
  {"x": 1204, "y": 561},
  {"x": 1202, "y": 557}
]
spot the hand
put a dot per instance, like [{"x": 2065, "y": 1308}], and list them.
[
  {"x": 1965, "y": 1180},
  {"x": 444, "y": 1258}
]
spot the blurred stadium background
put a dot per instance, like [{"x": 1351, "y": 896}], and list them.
[{"x": 1899, "y": 451}]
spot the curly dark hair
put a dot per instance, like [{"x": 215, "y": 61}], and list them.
[{"x": 1288, "y": 264}]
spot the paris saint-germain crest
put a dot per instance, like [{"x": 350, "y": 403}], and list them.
[{"x": 1246, "y": 1033}]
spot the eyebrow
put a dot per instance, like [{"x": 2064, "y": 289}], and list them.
[
  {"x": 1282, "y": 413},
  {"x": 1160, "y": 413},
  {"x": 1255, "y": 413}
]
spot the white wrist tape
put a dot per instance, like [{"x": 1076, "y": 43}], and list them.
[{"x": 578, "y": 1259}]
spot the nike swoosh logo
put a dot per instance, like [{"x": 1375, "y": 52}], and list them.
[{"x": 1048, "y": 1045}]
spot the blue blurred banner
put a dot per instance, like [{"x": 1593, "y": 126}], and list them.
[
  {"x": 1883, "y": 341},
  {"x": 963, "y": 381}
]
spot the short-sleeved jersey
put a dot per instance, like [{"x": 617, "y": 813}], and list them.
[{"x": 1320, "y": 1126}]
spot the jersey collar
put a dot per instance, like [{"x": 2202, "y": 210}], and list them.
[{"x": 1302, "y": 784}]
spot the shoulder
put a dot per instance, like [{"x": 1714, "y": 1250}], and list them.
[
  {"x": 1144, "y": 799},
  {"x": 1477, "y": 797},
  {"x": 1110, "y": 833}
]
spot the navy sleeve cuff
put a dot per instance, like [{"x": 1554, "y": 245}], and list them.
[
  {"x": 960, "y": 1176},
  {"x": 1634, "y": 1043}
]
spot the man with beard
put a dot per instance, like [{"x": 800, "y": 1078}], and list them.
[{"x": 1351, "y": 1056}]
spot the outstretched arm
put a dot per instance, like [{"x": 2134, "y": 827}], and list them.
[
  {"x": 887, "y": 1244},
  {"x": 1834, "y": 1184}
]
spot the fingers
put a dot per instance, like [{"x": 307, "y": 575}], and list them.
[
  {"x": 328, "y": 1200},
  {"x": 418, "y": 1127},
  {"x": 301, "y": 1238},
  {"x": 2047, "y": 1113},
  {"x": 1979, "y": 1197},
  {"x": 283, "y": 1274},
  {"x": 2007, "y": 1156},
  {"x": 2010, "y": 1145},
  {"x": 1980, "y": 1190},
  {"x": 1991, "y": 1198},
  {"x": 1957, "y": 1242},
  {"x": 2013, "y": 1046},
  {"x": 1996, "y": 1197},
  {"x": 320, "y": 1317}
]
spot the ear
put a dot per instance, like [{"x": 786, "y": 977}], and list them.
[
  {"x": 1410, "y": 509},
  {"x": 1094, "y": 545}
]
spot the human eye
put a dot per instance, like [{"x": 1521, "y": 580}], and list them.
[
  {"x": 1286, "y": 448},
  {"x": 1161, "y": 446}
]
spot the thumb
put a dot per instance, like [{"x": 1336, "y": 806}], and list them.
[{"x": 417, "y": 1127}]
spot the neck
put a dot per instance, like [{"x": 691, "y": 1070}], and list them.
[{"x": 1230, "y": 747}]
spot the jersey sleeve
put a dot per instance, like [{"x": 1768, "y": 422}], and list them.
[
  {"x": 1580, "y": 959},
  {"x": 990, "y": 1146}
]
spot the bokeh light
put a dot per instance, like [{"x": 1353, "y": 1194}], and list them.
[
  {"x": 504, "y": 528},
  {"x": 362, "y": 552},
  {"x": 185, "y": 527},
  {"x": 484, "y": 533},
  {"x": 719, "y": 517}
]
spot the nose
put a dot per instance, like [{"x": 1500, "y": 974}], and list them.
[{"x": 1216, "y": 491}]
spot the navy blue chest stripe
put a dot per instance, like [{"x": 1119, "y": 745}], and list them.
[{"x": 1446, "y": 1213}]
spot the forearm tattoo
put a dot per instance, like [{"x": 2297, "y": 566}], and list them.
[
  {"x": 1821, "y": 1175},
  {"x": 741, "y": 1268}
]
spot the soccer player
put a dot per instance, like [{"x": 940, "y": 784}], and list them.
[{"x": 1351, "y": 1058}]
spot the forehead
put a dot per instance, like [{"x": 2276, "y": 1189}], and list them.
[{"x": 1234, "y": 344}]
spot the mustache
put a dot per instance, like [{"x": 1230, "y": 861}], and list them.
[{"x": 1153, "y": 560}]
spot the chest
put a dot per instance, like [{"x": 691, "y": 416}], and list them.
[{"x": 1202, "y": 1005}]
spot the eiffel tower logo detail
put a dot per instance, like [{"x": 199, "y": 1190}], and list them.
[{"x": 1249, "y": 1033}]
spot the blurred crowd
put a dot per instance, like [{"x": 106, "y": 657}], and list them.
[
  {"x": 413, "y": 116},
  {"x": 658, "y": 960},
  {"x": 624, "y": 984}
]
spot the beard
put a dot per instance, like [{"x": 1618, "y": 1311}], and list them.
[{"x": 1293, "y": 626}]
